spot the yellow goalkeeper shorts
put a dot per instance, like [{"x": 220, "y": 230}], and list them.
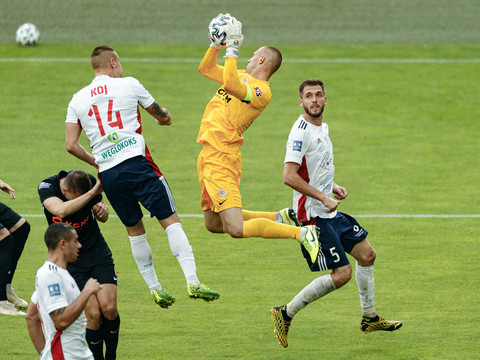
[{"x": 219, "y": 178}]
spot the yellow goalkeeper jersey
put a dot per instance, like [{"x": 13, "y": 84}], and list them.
[{"x": 235, "y": 105}]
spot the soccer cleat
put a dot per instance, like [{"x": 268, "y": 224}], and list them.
[
  {"x": 378, "y": 323},
  {"x": 162, "y": 298},
  {"x": 7, "y": 308},
  {"x": 310, "y": 241},
  {"x": 202, "y": 291},
  {"x": 15, "y": 300},
  {"x": 281, "y": 324},
  {"x": 289, "y": 217}
]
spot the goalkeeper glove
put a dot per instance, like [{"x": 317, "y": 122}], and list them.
[
  {"x": 234, "y": 37},
  {"x": 219, "y": 21}
]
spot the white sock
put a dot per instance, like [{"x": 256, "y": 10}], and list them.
[
  {"x": 142, "y": 253},
  {"x": 9, "y": 287},
  {"x": 366, "y": 289},
  {"x": 182, "y": 250},
  {"x": 319, "y": 287}
]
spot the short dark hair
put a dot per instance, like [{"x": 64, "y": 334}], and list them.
[
  {"x": 311, "y": 82},
  {"x": 56, "y": 232},
  {"x": 77, "y": 181},
  {"x": 98, "y": 57}
]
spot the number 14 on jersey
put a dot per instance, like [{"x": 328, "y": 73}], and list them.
[{"x": 111, "y": 122}]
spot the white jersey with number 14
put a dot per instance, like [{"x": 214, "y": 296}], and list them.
[{"x": 107, "y": 110}]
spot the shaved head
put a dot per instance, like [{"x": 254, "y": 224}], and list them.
[
  {"x": 274, "y": 57},
  {"x": 101, "y": 56}
]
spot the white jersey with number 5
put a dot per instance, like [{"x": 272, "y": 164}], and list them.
[
  {"x": 107, "y": 110},
  {"x": 310, "y": 146},
  {"x": 55, "y": 289}
]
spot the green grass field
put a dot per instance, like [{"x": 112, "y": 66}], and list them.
[
  {"x": 406, "y": 143},
  {"x": 402, "y": 87}
]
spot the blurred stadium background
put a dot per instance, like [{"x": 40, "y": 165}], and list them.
[{"x": 265, "y": 21}]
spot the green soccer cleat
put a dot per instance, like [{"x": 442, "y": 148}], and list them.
[
  {"x": 202, "y": 291},
  {"x": 378, "y": 323},
  {"x": 289, "y": 217},
  {"x": 162, "y": 299},
  {"x": 281, "y": 322},
  {"x": 310, "y": 241}
]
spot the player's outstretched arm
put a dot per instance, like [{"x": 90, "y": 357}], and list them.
[
  {"x": 161, "y": 114},
  {"x": 5, "y": 187},
  {"x": 72, "y": 134}
]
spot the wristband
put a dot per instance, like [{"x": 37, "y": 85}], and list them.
[{"x": 232, "y": 51}]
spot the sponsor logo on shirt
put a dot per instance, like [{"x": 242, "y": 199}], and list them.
[
  {"x": 113, "y": 137},
  {"x": 258, "y": 91},
  {"x": 223, "y": 95},
  {"x": 119, "y": 147},
  {"x": 297, "y": 145},
  {"x": 54, "y": 289}
]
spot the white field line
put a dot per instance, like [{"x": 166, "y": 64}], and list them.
[
  {"x": 443, "y": 216},
  {"x": 285, "y": 60}
]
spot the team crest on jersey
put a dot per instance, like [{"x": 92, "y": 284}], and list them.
[
  {"x": 297, "y": 146},
  {"x": 54, "y": 289},
  {"x": 222, "y": 192},
  {"x": 258, "y": 91},
  {"x": 113, "y": 137}
]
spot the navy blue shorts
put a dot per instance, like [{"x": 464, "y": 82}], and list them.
[
  {"x": 135, "y": 181},
  {"x": 338, "y": 236}
]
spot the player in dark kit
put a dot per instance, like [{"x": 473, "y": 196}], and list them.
[{"x": 75, "y": 198}]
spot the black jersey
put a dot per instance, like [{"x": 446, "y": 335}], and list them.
[{"x": 83, "y": 220}]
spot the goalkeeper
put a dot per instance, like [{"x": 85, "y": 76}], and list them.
[{"x": 241, "y": 98}]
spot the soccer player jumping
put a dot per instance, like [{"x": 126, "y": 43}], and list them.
[
  {"x": 107, "y": 111},
  {"x": 241, "y": 98}
]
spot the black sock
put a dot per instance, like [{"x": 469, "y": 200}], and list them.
[
  {"x": 20, "y": 236},
  {"x": 6, "y": 248},
  {"x": 95, "y": 343},
  {"x": 110, "y": 329}
]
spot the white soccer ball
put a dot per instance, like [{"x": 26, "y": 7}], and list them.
[
  {"x": 216, "y": 29},
  {"x": 27, "y": 35}
]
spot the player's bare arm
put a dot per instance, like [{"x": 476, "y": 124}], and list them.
[
  {"x": 101, "y": 211},
  {"x": 61, "y": 208},
  {"x": 5, "y": 187},
  {"x": 339, "y": 192},
  {"x": 161, "y": 114},
  {"x": 292, "y": 179},
  {"x": 64, "y": 317},
  {"x": 35, "y": 327},
  {"x": 72, "y": 134}
]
